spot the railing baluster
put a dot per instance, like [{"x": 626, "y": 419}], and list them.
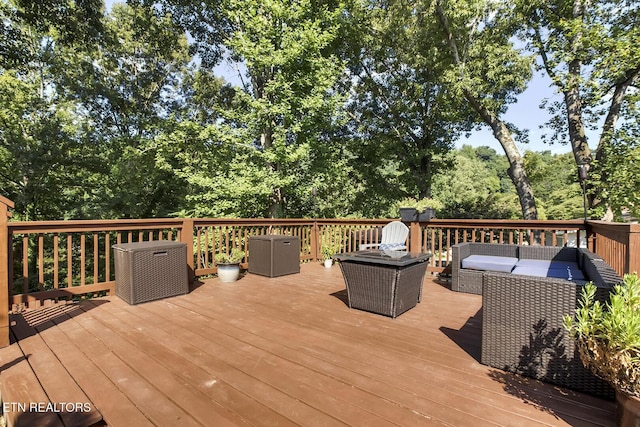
[
  {"x": 69, "y": 260},
  {"x": 56, "y": 260},
  {"x": 41, "y": 262},
  {"x": 96, "y": 258},
  {"x": 82, "y": 259},
  {"x": 198, "y": 247},
  {"x": 25, "y": 264},
  {"x": 107, "y": 257}
]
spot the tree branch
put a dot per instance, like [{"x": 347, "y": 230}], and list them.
[{"x": 620, "y": 89}]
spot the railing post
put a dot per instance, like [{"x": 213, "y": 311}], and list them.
[
  {"x": 186, "y": 236},
  {"x": 5, "y": 205},
  {"x": 633, "y": 251},
  {"x": 415, "y": 239},
  {"x": 589, "y": 235},
  {"x": 314, "y": 241}
]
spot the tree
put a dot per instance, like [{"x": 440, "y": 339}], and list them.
[
  {"x": 127, "y": 89},
  {"x": 42, "y": 157},
  {"x": 589, "y": 51},
  {"x": 472, "y": 189},
  {"x": 206, "y": 21},
  {"x": 558, "y": 193},
  {"x": 488, "y": 72},
  {"x": 622, "y": 189},
  {"x": 279, "y": 117},
  {"x": 70, "y": 22},
  {"x": 404, "y": 118},
  {"x": 288, "y": 98}
]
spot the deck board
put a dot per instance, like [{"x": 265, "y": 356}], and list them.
[
  {"x": 289, "y": 351},
  {"x": 53, "y": 376},
  {"x": 20, "y": 382}
]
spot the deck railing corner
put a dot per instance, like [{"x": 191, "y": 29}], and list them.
[{"x": 5, "y": 214}]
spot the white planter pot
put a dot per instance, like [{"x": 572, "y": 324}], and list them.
[
  {"x": 228, "y": 272},
  {"x": 328, "y": 263}
]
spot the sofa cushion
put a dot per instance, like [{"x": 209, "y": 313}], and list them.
[
  {"x": 554, "y": 269},
  {"x": 547, "y": 264},
  {"x": 489, "y": 263}
]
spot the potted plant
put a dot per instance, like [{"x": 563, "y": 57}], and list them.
[
  {"x": 331, "y": 245},
  {"x": 408, "y": 214},
  {"x": 418, "y": 210},
  {"x": 229, "y": 265},
  {"x": 607, "y": 337}
]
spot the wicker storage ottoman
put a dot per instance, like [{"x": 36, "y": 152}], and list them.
[
  {"x": 147, "y": 271},
  {"x": 274, "y": 255}
]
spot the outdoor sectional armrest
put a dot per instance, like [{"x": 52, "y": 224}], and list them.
[
  {"x": 522, "y": 330},
  {"x": 598, "y": 271},
  {"x": 458, "y": 253}
]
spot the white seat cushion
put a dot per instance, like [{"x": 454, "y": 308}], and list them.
[
  {"x": 543, "y": 268},
  {"x": 489, "y": 263}
]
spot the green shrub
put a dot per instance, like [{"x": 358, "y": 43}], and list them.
[
  {"x": 608, "y": 336},
  {"x": 233, "y": 257},
  {"x": 420, "y": 205},
  {"x": 330, "y": 245}
]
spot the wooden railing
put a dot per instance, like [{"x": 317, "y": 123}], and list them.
[
  {"x": 58, "y": 259},
  {"x": 439, "y": 235},
  {"x": 617, "y": 243},
  {"x": 50, "y": 260},
  {"x": 212, "y": 236},
  {"x": 5, "y": 205},
  {"x": 41, "y": 262}
]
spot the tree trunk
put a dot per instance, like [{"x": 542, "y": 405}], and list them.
[
  {"x": 579, "y": 145},
  {"x": 516, "y": 166}
]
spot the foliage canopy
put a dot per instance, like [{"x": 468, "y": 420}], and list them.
[{"x": 340, "y": 108}]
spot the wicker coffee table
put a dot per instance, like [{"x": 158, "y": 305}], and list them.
[{"x": 383, "y": 282}]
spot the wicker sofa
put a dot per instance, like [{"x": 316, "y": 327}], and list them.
[
  {"x": 470, "y": 280},
  {"x": 522, "y": 329}
]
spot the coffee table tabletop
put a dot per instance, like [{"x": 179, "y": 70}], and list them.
[{"x": 385, "y": 257}]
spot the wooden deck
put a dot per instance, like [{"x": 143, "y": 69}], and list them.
[{"x": 281, "y": 351}]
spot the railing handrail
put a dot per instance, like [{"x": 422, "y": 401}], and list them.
[
  {"x": 63, "y": 226},
  {"x": 510, "y": 223}
]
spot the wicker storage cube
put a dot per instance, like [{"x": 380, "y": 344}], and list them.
[
  {"x": 147, "y": 271},
  {"x": 274, "y": 255}
]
